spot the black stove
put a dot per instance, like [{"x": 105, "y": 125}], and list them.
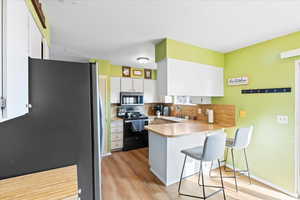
[
  {"x": 135, "y": 134},
  {"x": 134, "y": 116}
]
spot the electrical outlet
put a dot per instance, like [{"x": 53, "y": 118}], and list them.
[
  {"x": 199, "y": 111},
  {"x": 282, "y": 119}
]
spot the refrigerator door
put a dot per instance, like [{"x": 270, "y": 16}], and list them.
[{"x": 97, "y": 130}]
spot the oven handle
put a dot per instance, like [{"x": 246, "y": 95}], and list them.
[{"x": 129, "y": 121}]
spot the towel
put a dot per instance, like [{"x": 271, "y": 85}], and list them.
[{"x": 138, "y": 125}]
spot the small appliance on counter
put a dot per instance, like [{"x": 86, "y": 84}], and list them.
[
  {"x": 210, "y": 115},
  {"x": 163, "y": 110}
]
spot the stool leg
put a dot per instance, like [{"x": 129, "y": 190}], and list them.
[
  {"x": 226, "y": 159},
  {"x": 234, "y": 171},
  {"x": 200, "y": 172},
  {"x": 212, "y": 163},
  {"x": 246, "y": 159},
  {"x": 203, "y": 184},
  {"x": 222, "y": 179},
  {"x": 181, "y": 174}
]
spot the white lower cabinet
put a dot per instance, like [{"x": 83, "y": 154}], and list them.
[
  {"x": 15, "y": 52},
  {"x": 116, "y": 135}
]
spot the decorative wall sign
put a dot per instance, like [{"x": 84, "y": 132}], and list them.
[
  {"x": 148, "y": 73},
  {"x": 126, "y": 71},
  {"x": 38, "y": 8},
  {"x": 267, "y": 90},
  {"x": 137, "y": 72},
  {"x": 238, "y": 81}
]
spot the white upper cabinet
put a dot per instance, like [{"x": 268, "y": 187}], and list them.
[
  {"x": 15, "y": 52},
  {"x": 132, "y": 85},
  {"x": 126, "y": 85},
  {"x": 183, "y": 78},
  {"x": 115, "y": 88},
  {"x": 138, "y": 85},
  {"x": 150, "y": 91},
  {"x": 35, "y": 40}
]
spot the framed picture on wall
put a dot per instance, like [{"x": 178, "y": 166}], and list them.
[
  {"x": 148, "y": 73},
  {"x": 138, "y": 72},
  {"x": 126, "y": 71}
]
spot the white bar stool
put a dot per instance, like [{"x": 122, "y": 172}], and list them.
[
  {"x": 240, "y": 142},
  {"x": 213, "y": 149}
]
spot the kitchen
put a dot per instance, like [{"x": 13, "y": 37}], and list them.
[{"x": 174, "y": 118}]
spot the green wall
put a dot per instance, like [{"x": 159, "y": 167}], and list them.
[
  {"x": 45, "y": 32},
  {"x": 182, "y": 51},
  {"x": 271, "y": 152}
]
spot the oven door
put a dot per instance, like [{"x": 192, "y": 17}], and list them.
[{"x": 134, "y": 139}]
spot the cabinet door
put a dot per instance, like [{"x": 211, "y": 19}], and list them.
[
  {"x": 115, "y": 87},
  {"x": 138, "y": 85},
  {"x": 150, "y": 92},
  {"x": 15, "y": 58},
  {"x": 126, "y": 85},
  {"x": 35, "y": 40},
  {"x": 192, "y": 79}
]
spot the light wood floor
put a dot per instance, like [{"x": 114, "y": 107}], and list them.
[
  {"x": 126, "y": 176},
  {"x": 57, "y": 184}
]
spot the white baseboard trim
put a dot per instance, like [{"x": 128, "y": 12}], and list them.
[
  {"x": 106, "y": 154},
  {"x": 267, "y": 183}
]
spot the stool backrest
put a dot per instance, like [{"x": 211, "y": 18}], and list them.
[
  {"x": 214, "y": 146},
  {"x": 243, "y": 137}
]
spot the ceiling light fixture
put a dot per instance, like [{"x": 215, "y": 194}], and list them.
[{"x": 143, "y": 60}]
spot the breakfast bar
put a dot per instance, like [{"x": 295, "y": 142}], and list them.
[{"x": 167, "y": 140}]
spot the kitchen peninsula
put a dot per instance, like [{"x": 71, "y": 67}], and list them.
[{"x": 167, "y": 140}]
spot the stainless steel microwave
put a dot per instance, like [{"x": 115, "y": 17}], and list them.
[{"x": 131, "y": 98}]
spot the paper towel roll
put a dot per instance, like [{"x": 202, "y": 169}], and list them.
[{"x": 210, "y": 114}]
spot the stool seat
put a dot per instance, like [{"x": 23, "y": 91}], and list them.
[
  {"x": 229, "y": 142},
  {"x": 195, "y": 152}
]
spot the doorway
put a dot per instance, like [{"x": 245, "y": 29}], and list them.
[{"x": 103, "y": 87}]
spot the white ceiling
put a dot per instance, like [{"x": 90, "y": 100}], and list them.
[{"x": 122, "y": 30}]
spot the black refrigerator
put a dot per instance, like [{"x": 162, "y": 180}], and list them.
[{"x": 62, "y": 128}]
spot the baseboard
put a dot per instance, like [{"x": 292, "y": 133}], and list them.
[
  {"x": 267, "y": 183},
  {"x": 106, "y": 154}
]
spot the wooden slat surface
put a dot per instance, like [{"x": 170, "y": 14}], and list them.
[
  {"x": 54, "y": 184},
  {"x": 126, "y": 176}
]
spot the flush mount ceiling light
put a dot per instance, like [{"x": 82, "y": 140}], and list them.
[{"x": 143, "y": 60}]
